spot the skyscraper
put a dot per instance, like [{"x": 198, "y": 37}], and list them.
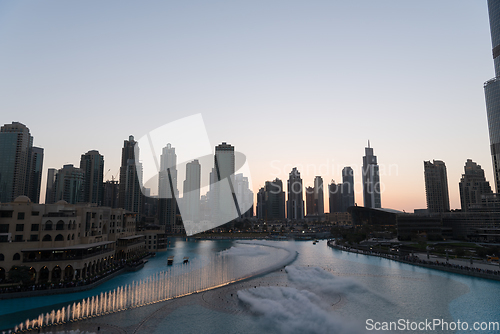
[
  {"x": 436, "y": 186},
  {"x": 225, "y": 202},
  {"x": 50, "y": 191},
  {"x": 335, "y": 197},
  {"x": 310, "y": 205},
  {"x": 472, "y": 185},
  {"x": 271, "y": 201},
  {"x": 319, "y": 200},
  {"x": 92, "y": 164},
  {"x": 69, "y": 184},
  {"x": 295, "y": 202},
  {"x": 130, "y": 195},
  {"x": 492, "y": 91},
  {"x": 35, "y": 174},
  {"x": 243, "y": 194},
  {"x": 18, "y": 176},
  {"x": 168, "y": 191},
  {"x": 191, "y": 192},
  {"x": 347, "y": 188},
  {"x": 371, "y": 180}
]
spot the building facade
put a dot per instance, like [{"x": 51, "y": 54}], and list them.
[
  {"x": 69, "y": 184},
  {"x": 295, "y": 202},
  {"x": 20, "y": 163},
  {"x": 473, "y": 186},
  {"x": 347, "y": 188},
  {"x": 436, "y": 186},
  {"x": 492, "y": 91},
  {"x": 130, "y": 194},
  {"x": 92, "y": 164},
  {"x": 371, "y": 180}
]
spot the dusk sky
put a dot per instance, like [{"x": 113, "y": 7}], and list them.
[{"x": 288, "y": 83}]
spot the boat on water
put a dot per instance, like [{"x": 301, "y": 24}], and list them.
[
  {"x": 170, "y": 260},
  {"x": 186, "y": 259}
]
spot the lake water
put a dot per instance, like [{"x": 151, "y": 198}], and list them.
[{"x": 323, "y": 291}]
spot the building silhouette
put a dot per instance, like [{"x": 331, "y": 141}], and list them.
[
  {"x": 168, "y": 191},
  {"x": 271, "y": 201},
  {"x": 310, "y": 205},
  {"x": 319, "y": 201},
  {"x": 130, "y": 195},
  {"x": 18, "y": 174},
  {"x": 492, "y": 91},
  {"x": 222, "y": 193},
  {"x": 335, "y": 197},
  {"x": 436, "y": 186},
  {"x": 371, "y": 180},
  {"x": 35, "y": 174},
  {"x": 295, "y": 202},
  {"x": 69, "y": 184},
  {"x": 50, "y": 190},
  {"x": 473, "y": 186},
  {"x": 191, "y": 192},
  {"x": 244, "y": 195},
  {"x": 92, "y": 164},
  {"x": 347, "y": 188}
]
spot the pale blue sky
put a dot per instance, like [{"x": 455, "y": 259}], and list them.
[{"x": 294, "y": 82}]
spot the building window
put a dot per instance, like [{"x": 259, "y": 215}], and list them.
[
  {"x": 5, "y": 214},
  {"x": 2, "y": 257},
  {"x": 4, "y": 228},
  {"x": 18, "y": 238},
  {"x": 20, "y": 216},
  {"x": 19, "y": 227},
  {"x": 35, "y": 227},
  {"x": 16, "y": 257},
  {"x": 34, "y": 237},
  {"x": 35, "y": 213},
  {"x": 4, "y": 238}
]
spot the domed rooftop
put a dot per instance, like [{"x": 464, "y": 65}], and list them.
[
  {"x": 22, "y": 199},
  {"x": 61, "y": 202}
]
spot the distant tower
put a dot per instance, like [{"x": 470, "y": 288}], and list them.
[
  {"x": 168, "y": 192},
  {"x": 130, "y": 195},
  {"x": 92, "y": 164},
  {"x": 191, "y": 192},
  {"x": 69, "y": 184},
  {"x": 319, "y": 200},
  {"x": 310, "y": 205},
  {"x": 295, "y": 203},
  {"x": 243, "y": 194},
  {"x": 371, "y": 180},
  {"x": 271, "y": 201},
  {"x": 18, "y": 176},
  {"x": 50, "y": 192},
  {"x": 224, "y": 200},
  {"x": 35, "y": 177},
  {"x": 436, "y": 186},
  {"x": 492, "y": 91},
  {"x": 347, "y": 188},
  {"x": 472, "y": 185},
  {"x": 335, "y": 197}
]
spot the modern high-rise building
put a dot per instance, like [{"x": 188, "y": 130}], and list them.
[
  {"x": 436, "y": 186},
  {"x": 492, "y": 91},
  {"x": 371, "y": 180},
  {"x": 310, "y": 205},
  {"x": 271, "y": 201},
  {"x": 130, "y": 194},
  {"x": 319, "y": 200},
  {"x": 244, "y": 195},
  {"x": 295, "y": 202},
  {"x": 50, "y": 191},
  {"x": 168, "y": 191},
  {"x": 223, "y": 197},
  {"x": 335, "y": 197},
  {"x": 110, "y": 197},
  {"x": 191, "y": 192},
  {"x": 347, "y": 188},
  {"x": 18, "y": 175},
  {"x": 69, "y": 184},
  {"x": 35, "y": 177},
  {"x": 472, "y": 186},
  {"x": 92, "y": 164}
]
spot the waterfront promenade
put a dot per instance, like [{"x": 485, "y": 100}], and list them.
[{"x": 457, "y": 266}]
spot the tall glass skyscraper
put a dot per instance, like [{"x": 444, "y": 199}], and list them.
[
  {"x": 492, "y": 91},
  {"x": 371, "y": 180}
]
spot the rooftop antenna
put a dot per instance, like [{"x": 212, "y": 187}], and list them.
[{"x": 368, "y": 143}]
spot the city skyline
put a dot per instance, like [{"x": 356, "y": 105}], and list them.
[{"x": 308, "y": 61}]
